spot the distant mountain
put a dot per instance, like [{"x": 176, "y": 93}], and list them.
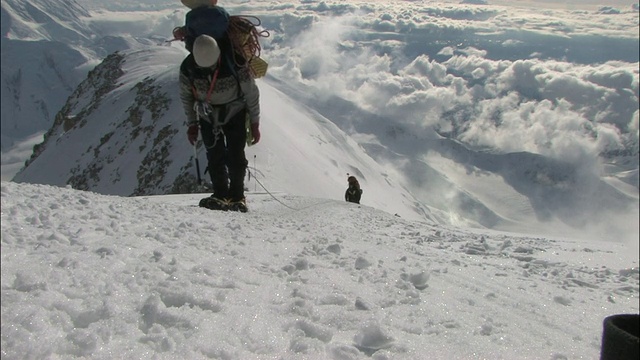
[
  {"x": 52, "y": 20},
  {"x": 122, "y": 132},
  {"x": 48, "y": 46},
  {"x": 40, "y": 62},
  {"x": 117, "y": 131}
]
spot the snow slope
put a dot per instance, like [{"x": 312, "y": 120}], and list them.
[{"x": 103, "y": 277}]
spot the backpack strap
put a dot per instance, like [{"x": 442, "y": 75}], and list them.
[
  {"x": 201, "y": 107},
  {"x": 211, "y": 85}
]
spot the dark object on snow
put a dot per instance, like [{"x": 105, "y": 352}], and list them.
[
  {"x": 620, "y": 337},
  {"x": 214, "y": 203},
  {"x": 354, "y": 192}
]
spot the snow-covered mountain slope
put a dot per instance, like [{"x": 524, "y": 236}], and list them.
[
  {"x": 40, "y": 64},
  {"x": 119, "y": 100},
  {"x": 38, "y": 20},
  {"x": 518, "y": 191},
  {"x": 122, "y": 132},
  {"x": 86, "y": 275},
  {"x": 48, "y": 46}
]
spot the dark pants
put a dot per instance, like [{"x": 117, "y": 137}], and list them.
[
  {"x": 227, "y": 162},
  {"x": 353, "y": 195}
]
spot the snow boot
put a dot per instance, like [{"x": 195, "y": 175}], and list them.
[
  {"x": 240, "y": 205},
  {"x": 213, "y": 203}
]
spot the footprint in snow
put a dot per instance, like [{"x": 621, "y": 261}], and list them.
[{"x": 372, "y": 338}]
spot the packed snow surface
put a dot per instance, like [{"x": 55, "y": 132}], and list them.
[{"x": 106, "y": 277}]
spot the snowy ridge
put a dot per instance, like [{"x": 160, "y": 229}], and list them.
[
  {"x": 42, "y": 61},
  {"x": 49, "y": 46},
  {"x": 296, "y": 277},
  {"x": 94, "y": 139},
  {"x": 51, "y": 20},
  {"x": 129, "y": 108}
]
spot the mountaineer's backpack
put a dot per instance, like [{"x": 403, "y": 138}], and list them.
[
  {"x": 237, "y": 36},
  {"x": 205, "y": 20}
]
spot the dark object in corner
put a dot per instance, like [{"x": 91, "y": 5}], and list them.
[{"x": 620, "y": 337}]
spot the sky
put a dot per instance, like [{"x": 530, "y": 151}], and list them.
[{"x": 86, "y": 275}]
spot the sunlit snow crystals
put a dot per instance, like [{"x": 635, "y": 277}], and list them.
[{"x": 418, "y": 280}]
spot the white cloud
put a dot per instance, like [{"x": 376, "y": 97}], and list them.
[
  {"x": 608, "y": 10},
  {"x": 447, "y": 51},
  {"x": 419, "y": 93},
  {"x": 475, "y": 2},
  {"x": 633, "y": 124}
]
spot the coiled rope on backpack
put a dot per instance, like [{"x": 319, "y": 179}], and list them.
[{"x": 245, "y": 38}]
